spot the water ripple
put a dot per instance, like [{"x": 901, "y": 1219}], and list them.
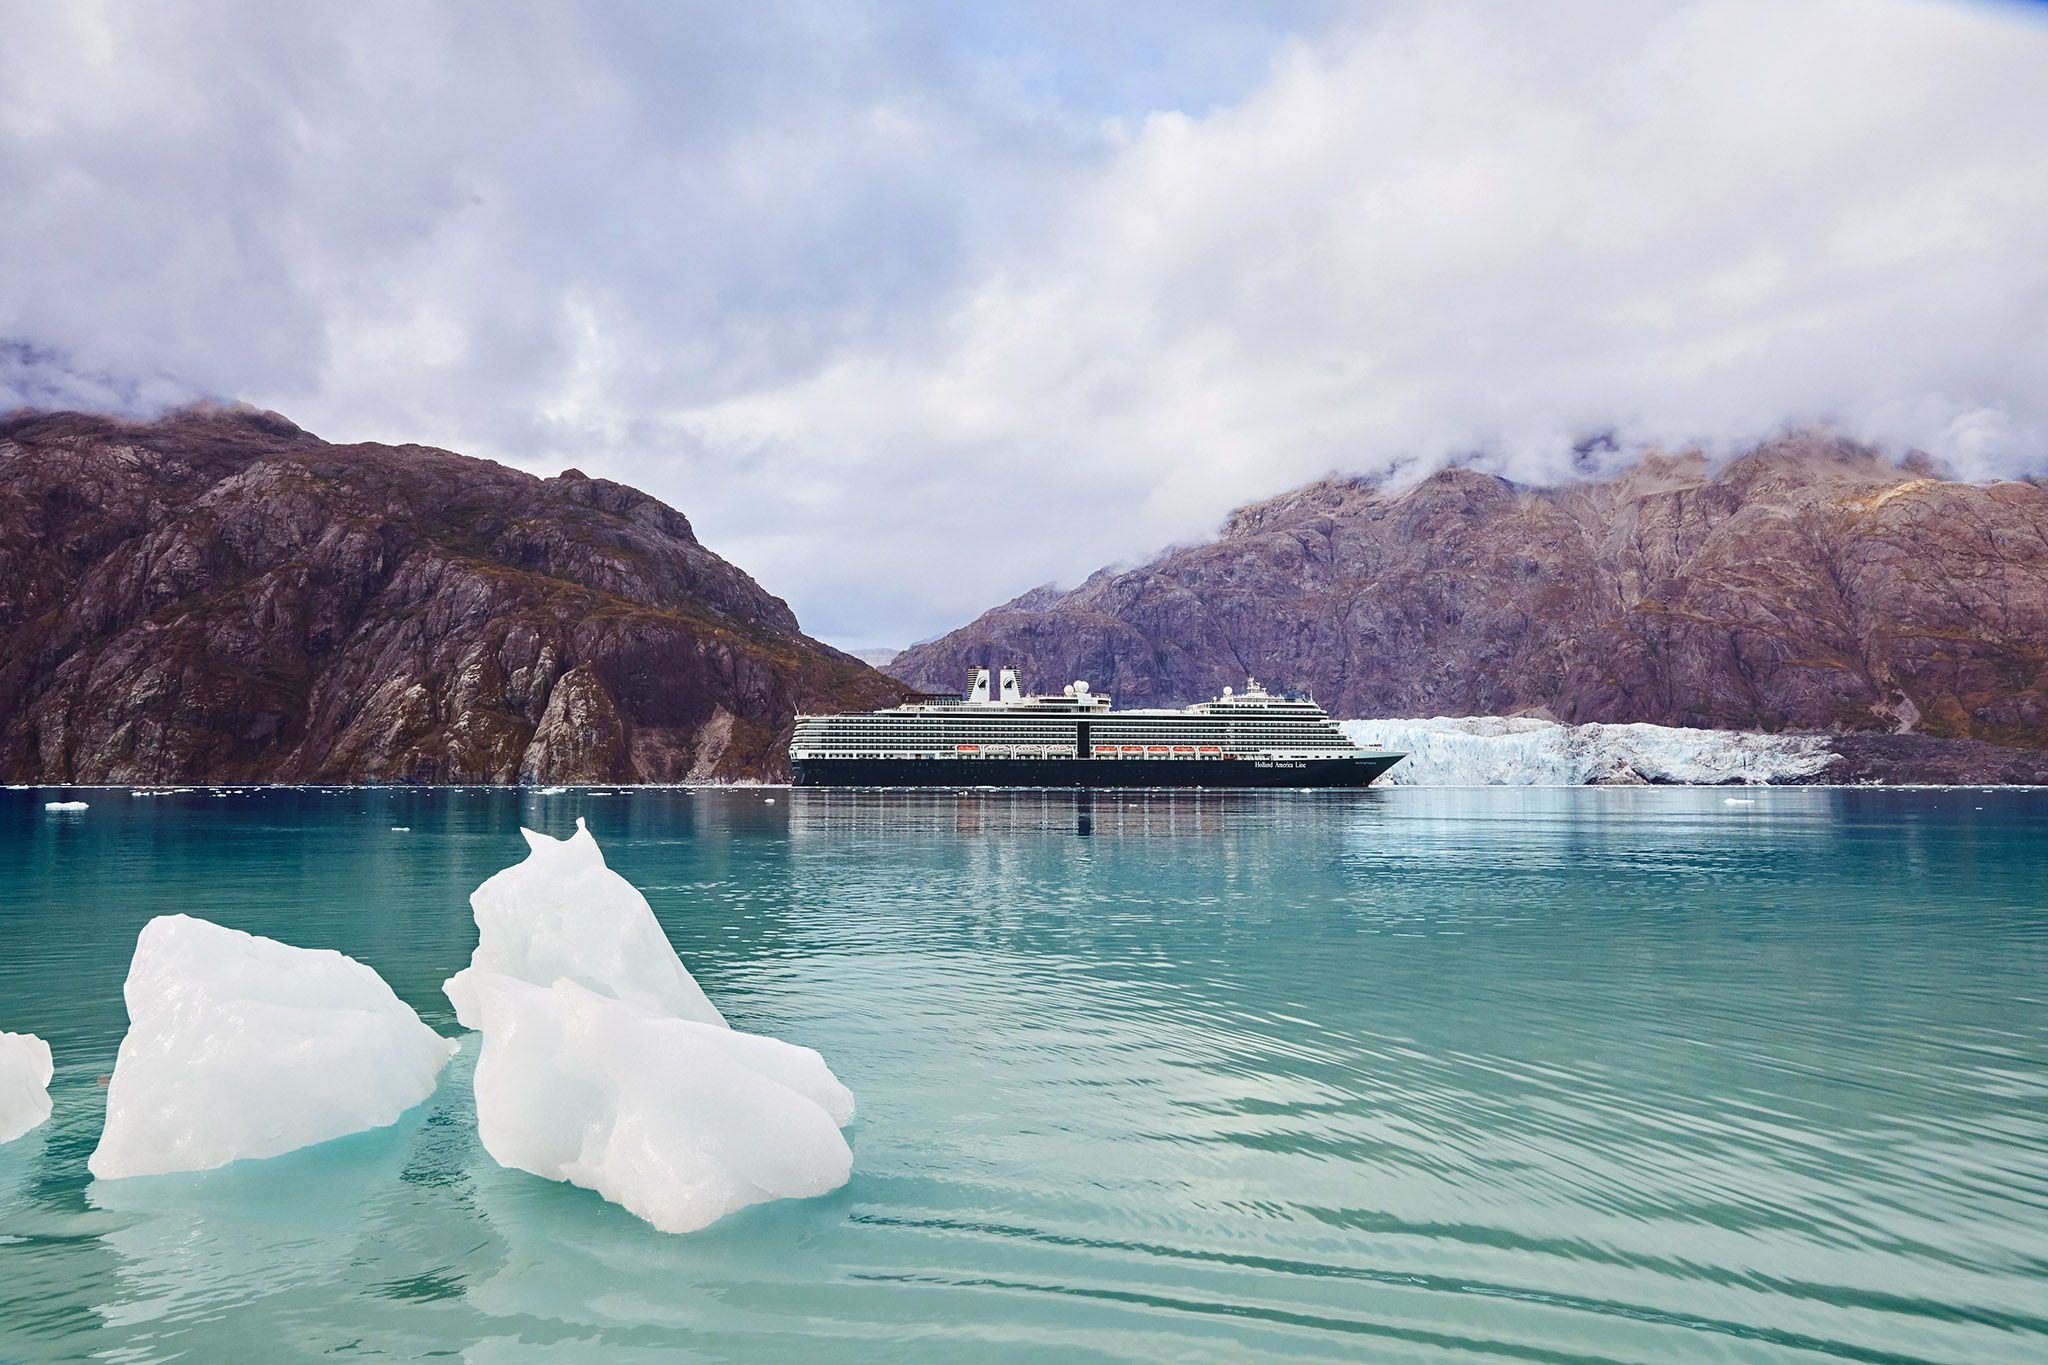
[{"x": 1411, "y": 1075}]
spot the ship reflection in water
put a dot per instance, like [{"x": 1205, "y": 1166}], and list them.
[{"x": 826, "y": 813}]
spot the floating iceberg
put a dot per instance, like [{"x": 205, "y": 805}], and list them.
[
  {"x": 603, "y": 1063},
  {"x": 66, "y": 805},
  {"x": 563, "y": 915},
  {"x": 24, "y": 1083},
  {"x": 1518, "y": 751},
  {"x": 680, "y": 1122},
  {"x": 240, "y": 1046}
]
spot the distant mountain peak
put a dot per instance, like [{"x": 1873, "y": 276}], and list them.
[
  {"x": 217, "y": 594},
  {"x": 1808, "y": 583}
]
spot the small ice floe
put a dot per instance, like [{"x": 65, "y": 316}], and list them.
[
  {"x": 551, "y": 791},
  {"x": 605, "y": 1065},
  {"x": 160, "y": 791},
  {"x": 240, "y": 1046},
  {"x": 1738, "y": 801},
  {"x": 66, "y": 805},
  {"x": 771, "y": 800},
  {"x": 401, "y": 829},
  {"x": 24, "y": 1083}
]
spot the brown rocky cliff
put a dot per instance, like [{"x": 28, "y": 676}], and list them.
[
  {"x": 219, "y": 595},
  {"x": 1810, "y": 584}
]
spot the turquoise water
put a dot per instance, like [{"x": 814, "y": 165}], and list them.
[{"x": 1513, "y": 1075}]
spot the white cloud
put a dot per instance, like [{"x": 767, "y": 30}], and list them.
[{"x": 911, "y": 309}]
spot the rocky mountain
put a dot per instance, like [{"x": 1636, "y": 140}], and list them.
[
  {"x": 219, "y": 595},
  {"x": 1808, "y": 585}
]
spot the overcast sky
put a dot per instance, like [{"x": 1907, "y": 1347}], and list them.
[{"x": 913, "y": 307}]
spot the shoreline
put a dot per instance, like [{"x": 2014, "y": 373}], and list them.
[{"x": 624, "y": 788}]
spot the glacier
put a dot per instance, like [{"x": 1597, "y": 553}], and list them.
[
  {"x": 240, "y": 1046},
  {"x": 25, "y": 1073},
  {"x": 1522, "y": 751},
  {"x": 603, "y": 1063}
]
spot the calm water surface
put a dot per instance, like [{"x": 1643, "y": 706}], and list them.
[{"x": 1394, "y": 1075}]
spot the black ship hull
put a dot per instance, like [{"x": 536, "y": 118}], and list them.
[{"x": 1347, "y": 771}]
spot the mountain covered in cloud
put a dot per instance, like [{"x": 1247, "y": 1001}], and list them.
[
  {"x": 1810, "y": 584},
  {"x": 219, "y": 595},
  {"x": 1111, "y": 268},
  {"x": 34, "y": 376}
]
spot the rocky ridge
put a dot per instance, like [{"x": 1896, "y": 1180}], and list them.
[
  {"x": 220, "y": 596},
  {"x": 1809, "y": 585}
]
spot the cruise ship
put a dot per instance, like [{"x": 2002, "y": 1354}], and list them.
[{"x": 1252, "y": 738}]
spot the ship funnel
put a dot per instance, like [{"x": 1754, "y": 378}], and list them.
[
  {"x": 1011, "y": 691},
  {"x": 977, "y": 685}
]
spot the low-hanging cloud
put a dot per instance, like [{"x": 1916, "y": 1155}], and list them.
[{"x": 911, "y": 308}]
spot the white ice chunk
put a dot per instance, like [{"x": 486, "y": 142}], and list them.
[
  {"x": 240, "y": 1046},
  {"x": 66, "y": 805},
  {"x": 604, "y": 1065},
  {"x": 563, "y": 915},
  {"x": 679, "y": 1121},
  {"x": 24, "y": 1083},
  {"x": 1486, "y": 751}
]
